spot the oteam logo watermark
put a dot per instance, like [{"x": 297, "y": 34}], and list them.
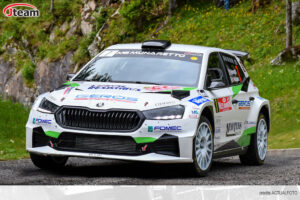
[{"x": 11, "y": 10}]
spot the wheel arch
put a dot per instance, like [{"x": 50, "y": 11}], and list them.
[
  {"x": 208, "y": 112},
  {"x": 266, "y": 112},
  {"x": 257, "y": 107}
]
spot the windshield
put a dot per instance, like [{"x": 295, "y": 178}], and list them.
[{"x": 180, "y": 70}]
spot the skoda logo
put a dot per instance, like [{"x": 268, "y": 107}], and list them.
[{"x": 100, "y": 104}]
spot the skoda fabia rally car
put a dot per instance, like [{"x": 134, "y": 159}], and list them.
[{"x": 154, "y": 102}]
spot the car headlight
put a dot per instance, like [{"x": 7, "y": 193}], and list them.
[
  {"x": 166, "y": 113},
  {"x": 47, "y": 106}
]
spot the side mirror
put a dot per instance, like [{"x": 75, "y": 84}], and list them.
[
  {"x": 70, "y": 76},
  {"x": 215, "y": 84}
]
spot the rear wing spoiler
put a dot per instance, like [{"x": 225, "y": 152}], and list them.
[{"x": 240, "y": 54}]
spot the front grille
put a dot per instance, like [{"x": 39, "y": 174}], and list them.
[
  {"x": 96, "y": 144},
  {"x": 99, "y": 120}
]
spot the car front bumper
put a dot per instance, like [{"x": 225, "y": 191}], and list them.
[{"x": 159, "y": 144}]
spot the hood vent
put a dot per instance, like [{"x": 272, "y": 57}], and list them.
[{"x": 180, "y": 94}]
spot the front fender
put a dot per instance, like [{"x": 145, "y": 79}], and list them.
[{"x": 193, "y": 112}]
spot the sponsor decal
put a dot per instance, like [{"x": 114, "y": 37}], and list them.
[
  {"x": 199, "y": 100},
  {"x": 12, "y": 11},
  {"x": 150, "y": 128},
  {"x": 164, "y": 128},
  {"x": 144, "y": 148},
  {"x": 68, "y": 90},
  {"x": 161, "y": 88},
  {"x": 233, "y": 127},
  {"x": 218, "y": 130},
  {"x": 244, "y": 105},
  {"x": 260, "y": 98},
  {"x": 228, "y": 59},
  {"x": 218, "y": 120},
  {"x": 112, "y": 87},
  {"x": 174, "y": 55},
  {"x": 165, "y": 103},
  {"x": 194, "y": 114},
  {"x": 152, "y": 53},
  {"x": 106, "y": 97},
  {"x": 70, "y": 86},
  {"x": 192, "y": 53},
  {"x": 223, "y": 104},
  {"x": 242, "y": 66},
  {"x": 41, "y": 121},
  {"x": 249, "y": 124}
]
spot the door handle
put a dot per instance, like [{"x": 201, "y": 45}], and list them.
[
  {"x": 251, "y": 98},
  {"x": 234, "y": 101}
]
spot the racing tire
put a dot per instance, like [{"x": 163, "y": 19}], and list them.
[
  {"x": 257, "y": 150},
  {"x": 48, "y": 162},
  {"x": 203, "y": 147}
]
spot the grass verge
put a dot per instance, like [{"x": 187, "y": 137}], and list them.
[{"x": 13, "y": 118}]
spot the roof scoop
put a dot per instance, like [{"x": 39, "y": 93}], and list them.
[{"x": 155, "y": 45}]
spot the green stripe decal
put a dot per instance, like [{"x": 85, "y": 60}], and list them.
[
  {"x": 144, "y": 139},
  {"x": 52, "y": 134},
  {"x": 245, "y": 139},
  {"x": 188, "y": 88},
  {"x": 236, "y": 89},
  {"x": 249, "y": 131},
  {"x": 185, "y": 89},
  {"x": 71, "y": 84}
]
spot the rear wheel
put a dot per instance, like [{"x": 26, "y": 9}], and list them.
[
  {"x": 48, "y": 162},
  {"x": 203, "y": 147},
  {"x": 257, "y": 150}
]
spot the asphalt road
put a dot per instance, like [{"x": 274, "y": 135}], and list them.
[{"x": 277, "y": 170}]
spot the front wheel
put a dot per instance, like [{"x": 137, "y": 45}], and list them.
[
  {"x": 48, "y": 162},
  {"x": 257, "y": 150},
  {"x": 203, "y": 146}
]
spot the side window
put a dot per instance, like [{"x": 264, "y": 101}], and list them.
[
  {"x": 215, "y": 76},
  {"x": 236, "y": 75}
]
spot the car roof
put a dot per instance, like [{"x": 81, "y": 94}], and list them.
[{"x": 173, "y": 47}]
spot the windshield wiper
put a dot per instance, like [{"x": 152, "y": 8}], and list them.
[
  {"x": 144, "y": 82},
  {"x": 84, "y": 80},
  {"x": 137, "y": 82}
]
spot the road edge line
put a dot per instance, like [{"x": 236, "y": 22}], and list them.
[{"x": 279, "y": 152}]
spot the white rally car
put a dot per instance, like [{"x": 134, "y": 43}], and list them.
[{"x": 154, "y": 102}]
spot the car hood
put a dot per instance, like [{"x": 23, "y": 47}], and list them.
[{"x": 105, "y": 95}]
